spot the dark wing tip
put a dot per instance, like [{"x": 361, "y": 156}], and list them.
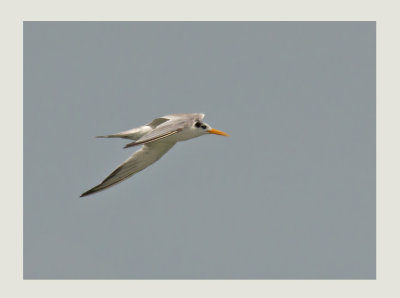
[
  {"x": 131, "y": 145},
  {"x": 89, "y": 192},
  {"x": 85, "y": 194}
]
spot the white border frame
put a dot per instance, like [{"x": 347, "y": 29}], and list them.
[{"x": 385, "y": 13}]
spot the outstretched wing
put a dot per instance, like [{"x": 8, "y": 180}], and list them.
[
  {"x": 187, "y": 116},
  {"x": 162, "y": 131},
  {"x": 140, "y": 160},
  {"x": 175, "y": 123},
  {"x": 138, "y": 132}
]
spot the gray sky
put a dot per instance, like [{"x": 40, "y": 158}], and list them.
[{"x": 290, "y": 195}]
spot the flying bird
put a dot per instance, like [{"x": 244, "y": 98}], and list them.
[{"x": 157, "y": 137}]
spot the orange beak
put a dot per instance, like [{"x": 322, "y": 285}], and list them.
[{"x": 218, "y": 132}]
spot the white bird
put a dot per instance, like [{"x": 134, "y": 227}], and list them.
[{"x": 157, "y": 137}]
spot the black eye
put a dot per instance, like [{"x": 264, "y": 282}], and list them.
[
  {"x": 203, "y": 126},
  {"x": 198, "y": 124}
]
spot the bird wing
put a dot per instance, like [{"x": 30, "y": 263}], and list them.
[
  {"x": 131, "y": 134},
  {"x": 140, "y": 160},
  {"x": 162, "y": 131},
  {"x": 156, "y": 122},
  {"x": 137, "y": 132},
  {"x": 187, "y": 116}
]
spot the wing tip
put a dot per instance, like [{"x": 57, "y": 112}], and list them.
[
  {"x": 86, "y": 193},
  {"x": 90, "y": 191},
  {"x": 106, "y": 136},
  {"x": 130, "y": 145}
]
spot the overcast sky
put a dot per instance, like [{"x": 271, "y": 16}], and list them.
[{"x": 289, "y": 195}]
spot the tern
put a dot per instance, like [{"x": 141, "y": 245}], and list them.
[{"x": 157, "y": 137}]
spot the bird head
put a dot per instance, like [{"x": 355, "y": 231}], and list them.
[{"x": 203, "y": 128}]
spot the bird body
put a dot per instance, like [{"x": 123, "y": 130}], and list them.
[{"x": 157, "y": 137}]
